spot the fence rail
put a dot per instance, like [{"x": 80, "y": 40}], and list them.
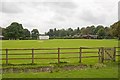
[{"x": 100, "y": 51}]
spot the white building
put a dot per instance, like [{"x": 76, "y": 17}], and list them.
[
  {"x": 43, "y": 37},
  {"x": 1, "y": 37}
]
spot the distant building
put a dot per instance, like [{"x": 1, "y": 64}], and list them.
[
  {"x": 90, "y": 36},
  {"x": 76, "y": 36},
  {"x": 43, "y": 37},
  {"x": 1, "y": 37}
]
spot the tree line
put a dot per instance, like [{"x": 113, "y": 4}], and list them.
[
  {"x": 102, "y": 32},
  {"x": 16, "y": 31}
]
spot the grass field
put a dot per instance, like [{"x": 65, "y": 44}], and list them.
[
  {"x": 69, "y": 43},
  {"x": 73, "y": 43},
  {"x": 88, "y": 73},
  {"x": 110, "y": 71}
]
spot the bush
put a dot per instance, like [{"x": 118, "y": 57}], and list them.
[{"x": 99, "y": 65}]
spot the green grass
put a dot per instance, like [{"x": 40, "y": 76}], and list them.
[
  {"x": 107, "y": 72},
  {"x": 69, "y": 43},
  {"x": 73, "y": 43},
  {"x": 77, "y": 74}
]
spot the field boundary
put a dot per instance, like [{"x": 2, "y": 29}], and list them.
[{"x": 101, "y": 53}]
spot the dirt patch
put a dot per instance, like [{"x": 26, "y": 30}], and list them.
[
  {"x": 72, "y": 67},
  {"x": 43, "y": 69},
  {"x": 26, "y": 70}
]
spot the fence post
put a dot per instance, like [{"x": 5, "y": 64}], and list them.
[
  {"x": 102, "y": 55},
  {"x": 32, "y": 56},
  {"x": 7, "y": 56},
  {"x": 80, "y": 55},
  {"x": 99, "y": 55},
  {"x": 114, "y": 54},
  {"x": 58, "y": 55}
]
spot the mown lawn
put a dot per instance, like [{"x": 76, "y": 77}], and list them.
[
  {"x": 55, "y": 43},
  {"x": 61, "y": 43}
]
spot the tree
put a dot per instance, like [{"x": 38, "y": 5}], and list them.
[
  {"x": 55, "y": 32},
  {"x": 107, "y": 33},
  {"x": 3, "y": 33},
  {"x": 89, "y": 30},
  {"x": 26, "y": 34},
  {"x": 51, "y": 33},
  {"x": 101, "y": 33},
  {"x": 0, "y": 29},
  {"x": 98, "y": 28},
  {"x": 14, "y": 31},
  {"x": 84, "y": 31},
  {"x": 92, "y": 30},
  {"x": 35, "y": 34},
  {"x": 62, "y": 33},
  {"x": 115, "y": 29},
  {"x": 70, "y": 32},
  {"x": 76, "y": 31}
]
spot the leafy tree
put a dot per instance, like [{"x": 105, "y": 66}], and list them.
[
  {"x": 98, "y": 28},
  {"x": 78, "y": 30},
  {"x": 84, "y": 31},
  {"x": 4, "y": 33},
  {"x": 14, "y": 31},
  {"x": 26, "y": 34},
  {"x": 88, "y": 30},
  {"x": 69, "y": 32},
  {"x": 0, "y": 29},
  {"x": 115, "y": 29},
  {"x": 92, "y": 30},
  {"x": 35, "y": 34},
  {"x": 55, "y": 32},
  {"x": 62, "y": 33},
  {"x": 51, "y": 33},
  {"x": 107, "y": 33},
  {"x": 101, "y": 33}
]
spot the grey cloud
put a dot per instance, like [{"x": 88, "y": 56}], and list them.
[
  {"x": 10, "y": 7},
  {"x": 68, "y": 5},
  {"x": 57, "y": 19},
  {"x": 57, "y": 5},
  {"x": 119, "y": 10},
  {"x": 92, "y": 18},
  {"x": 62, "y": 10}
]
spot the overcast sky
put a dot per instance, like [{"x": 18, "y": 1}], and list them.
[{"x": 46, "y": 14}]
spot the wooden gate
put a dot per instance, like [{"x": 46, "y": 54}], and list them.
[{"x": 107, "y": 54}]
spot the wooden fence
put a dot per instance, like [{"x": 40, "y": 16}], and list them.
[{"x": 100, "y": 52}]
